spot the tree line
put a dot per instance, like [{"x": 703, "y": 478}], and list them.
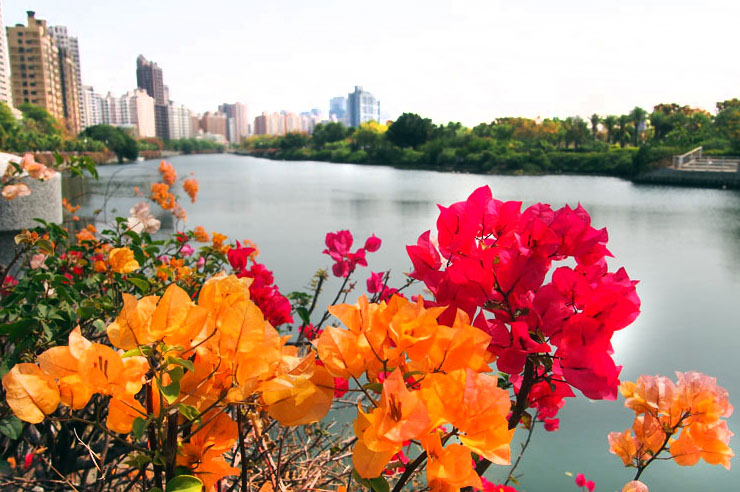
[{"x": 610, "y": 144}]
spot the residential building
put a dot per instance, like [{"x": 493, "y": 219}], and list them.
[
  {"x": 6, "y": 94},
  {"x": 34, "y": 66},
  {"x": 213, "y": 123},
  {"x": 149, "y": 77},
  {"x": 69, "y": 56},
  {"x": 362, "y": 107},
  {"x": 180, "y": 125},
  {"x": 136, "y": 109},
  {"x": 92, "y": 106},
  {"x": 260, "y": 124},
  {"x": 338, "y": 109},
  {"x": 237, "y": 125}
]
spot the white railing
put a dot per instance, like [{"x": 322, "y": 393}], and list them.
[
  {"x": 695, "y": 161},
  {"x": 680, "y": 160}
]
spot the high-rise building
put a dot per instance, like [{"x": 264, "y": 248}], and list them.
[
  {"x": 237, "y": 124},
  {"x": 136, "y": 110},
  {"x": 69, "y": 49},
  {"x": 149, "y": 77},
  {"x": 338, "y": 109},
  {"x": 34, "y": 66},
  {"x": 93, "y": 106},
  {"x": 362, "y": 107},
  {"x": 5, "y": 90},
  {"x": 180, "y": 121}
]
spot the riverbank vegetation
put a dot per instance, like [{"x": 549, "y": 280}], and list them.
[
  {"x": 619, "y": 145},
  {"x": 38, "y": 131}
]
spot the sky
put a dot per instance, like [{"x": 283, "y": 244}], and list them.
[{"x": 467, "y": 60}]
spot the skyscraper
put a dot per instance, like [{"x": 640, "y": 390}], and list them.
[
  {"x": 149, "y": 77},
  {"x": 338, "y": 109},
  {"x": 362, "y": 107},
  {"x": 5, "y": 90},
  {"x": 69, "y": 48},
  {"x": 34, "y": 65}
]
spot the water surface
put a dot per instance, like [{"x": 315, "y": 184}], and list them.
[{"x": 682, "y": 244}]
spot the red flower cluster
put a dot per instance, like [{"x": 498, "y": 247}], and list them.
[
  {"x": 338, "y": 246},
  {"x": 492, "y": 260},
  {"x": 275, "y": 306}
]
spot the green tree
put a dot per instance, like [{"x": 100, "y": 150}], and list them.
[
  {"x": 622, "y": 123},
  {"x": 294, "y": 141},
  {"x": 727, "y": 121},
  {"x": 410, "y": 130},
  {"x": 117, "y": 140},
  {"x": 324, "y": 133},
  {"x": 36, "y": 118},
  {"x": 610, "y": 123},
  {"x": 637, "y": 116},
  {"x": 595, "y": 120}
]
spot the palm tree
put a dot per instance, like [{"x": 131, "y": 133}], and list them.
[
  {"x": 622, "y": 123},
  {"x": 595, "y": 120},
  {"x": 637, "y": 116},
  {"x": 609, "y": 123}
]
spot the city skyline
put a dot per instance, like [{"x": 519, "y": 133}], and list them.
[{"x": 471, "y": 64}]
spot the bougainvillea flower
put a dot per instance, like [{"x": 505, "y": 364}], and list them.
[
  {"x": 13, "y": 191},
  {"x": 582, "y": 482},
  {"x": 372, "y": 244},
  {"x": 449, "y": 468},
  {"x": 122, "y": 260},
  {"x": 190, "y": 186},
  {"x": 30, "y": 392},
  {"x": 122, "y": 411},
  {"x": 300, "y": 397},
  {"x": 623, "y": 445},
  {"x": 343, "y": 352},
  {"x": 492, "y": 487},
  {"x": 131, "y": 327},
  {"x": 635, "y": 486}
]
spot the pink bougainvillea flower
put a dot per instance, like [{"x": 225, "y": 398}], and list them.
[
  {"x": 551, "y": 425},
  {"x": 372, "y": 244}
]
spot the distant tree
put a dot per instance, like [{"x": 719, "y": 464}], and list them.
[
  {"x": 117, "y": 140},
  {"x": 595, "y": 120},
  {"x": 728, "y": 121},
  {"x": 610, "y": 123},
  {"x": 324, "y": 133},
  {"x": 622, "y": 123},
  {"x": 369, "y": 135},
  {"x": 294, "y": 141},
  {"x": 637, "y": 115},
  {"x": 8, "y": 126},
  {"x": 410, "y": 130},
  {"x": 36, "y": 118}
]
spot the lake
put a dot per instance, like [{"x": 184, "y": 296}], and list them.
[{"x": 682, "y": 244}]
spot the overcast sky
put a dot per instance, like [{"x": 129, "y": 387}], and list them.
[{"x": 464, "y": 60}]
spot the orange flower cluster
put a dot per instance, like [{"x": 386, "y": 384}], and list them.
[
  {"x": 436, "y": 381},
  {"x": 87, "y": 234},
  {"x": 200, "y": 235},
  {"x": 217, "y": 352},
  {"x": 218, "y": 242},
  {"x": 122, "y": 260},
  {"x": 693, "y": 407},
  {"x": 190, "y": 186},
  {"x": 167, "y": 170},
  {"x": 161, "y": 194},
  {"x": 69, "y": 207}
]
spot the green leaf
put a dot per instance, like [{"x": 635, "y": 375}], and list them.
[
  {"x": 188, "y": 411},
  {"x": 376, "y": 387},
  {"x": 139, "y": 426},
  {"x": 12, "y": 427},
  {"x": 178, "y": 361},
  {"x": 144, "y": 350},
  {"x": 155, "y": 489},
  {"x": 377, "y": 484},
  {"x": 172, "y": 391},
  {"x": 184, "y": 483},
  {"x": 16, "y": 329},
  {"x": 303, "y": 313},
  {"x": 140, "y": 283},
  {"x": 45, "y": 246},
  {"x": 99, "y": 325}
]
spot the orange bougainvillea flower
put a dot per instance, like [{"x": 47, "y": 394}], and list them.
[
  {"x": 131, "y": 327},
  {"x": 449, "y": 468},
  {"x": 190, "y": 186},
  {"x": 122, "y": 411},
  {"x": 30, "y": 392},
  {"x": 161, "y": 194},
  {"x": 167, "y": 170},
  {"x": 302, "y": 396},
  {"x": 218, "y": 242},
  {"x": 635, "y": 486},
  {"x": 201, "y": 235},
  {"x": 122, "y": 260}
]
